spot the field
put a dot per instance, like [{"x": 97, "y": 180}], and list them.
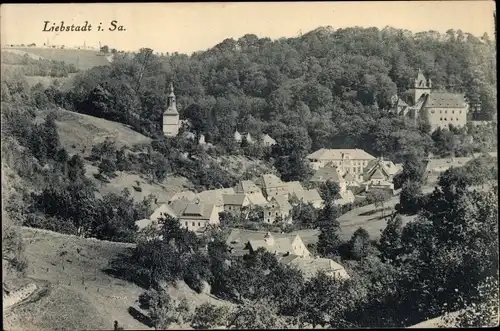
[
  {"x": 79, "y": 294},
  {"x": 79, "y": 132},
  {"x": 83, "y": 59}
]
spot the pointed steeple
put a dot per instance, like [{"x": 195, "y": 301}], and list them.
[{"x": 171, "y": 104}]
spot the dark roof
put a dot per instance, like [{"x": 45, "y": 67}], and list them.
[
  {"x": 327, "y": 173},
  {"x": 445, "y": 100}
]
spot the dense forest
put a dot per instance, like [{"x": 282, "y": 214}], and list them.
[{"x": 329, "y": 88}]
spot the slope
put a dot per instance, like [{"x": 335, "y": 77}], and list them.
[{"x": 79, "y": 294}]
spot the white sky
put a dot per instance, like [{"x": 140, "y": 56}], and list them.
[{"x": 188, "y": 27}]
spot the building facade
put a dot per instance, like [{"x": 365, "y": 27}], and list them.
[
  {"x": 440, "y": 109},
  {"x": 171, "y": 115}
]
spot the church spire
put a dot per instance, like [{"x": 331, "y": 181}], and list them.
[{"x": 171, "y": 104}]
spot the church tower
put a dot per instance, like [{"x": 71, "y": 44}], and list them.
[
  {"x": 170, "y": 115},
  {"x": 421, "y": 86}
]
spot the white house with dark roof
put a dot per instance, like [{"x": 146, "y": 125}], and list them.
[
  {"x": 438, "y": 107},
  {"x": 379, "y": 174},
  {"x": 267, "y": 141},
  {"x": 346, "y": 160},
  {"x": 195, "y": 216},
  {"x": 271, "y": 185},
  {"x": 236, "y": 203},
  {"x": 329, "y": 173},
  {"x": 278, "y": 207},
  {"x": 242, "y": 242},
  {"x": 310, "y": 267},
  {"x": 310, "y": 196},
  {"x": 253, "y": 192}
]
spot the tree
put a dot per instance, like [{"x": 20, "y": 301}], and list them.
[
  {"x": 329, "y": 191},
  {"x": 76, "y": 168},
  {"x": 328, "y": 239},
  {"x": 255, "y": 315},
  {"x": 390, "y": 239},
  {"x": 208, "y": 316},
  {"x": 379, "y": 197},
  {"x": 107, "y": 168},
  {"x": 410, "y": 198},
  {"x": 360, "y": 244}
]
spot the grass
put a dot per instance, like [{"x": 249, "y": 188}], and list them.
[
  {"x": 79, "y": 294},
  {"x": 83, "y": 59},
  {"x": 79, "y": 132}
]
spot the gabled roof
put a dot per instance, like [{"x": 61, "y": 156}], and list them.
[
  {"x": 294, "y": 186},
  {"x": 239, "y": 238},
  {"x": 270, "y": 181},
  {"x": 311, "y": 266},
  {"x": 184, "y": 195},
  {"x": 337, "y": 154},
  {"x": 246, "y": 186},
  {"x": 214, "y": 196},
  {"x": 192, "y": 210},
  {"x": 164, "y": 209},
  {"x": 144, "y": 223},
  {"x": 349, "y": 177},
  {"x": 445, "y": 100},
  {"x": 266, "y": 139},
  {"x": 277, "y": 245},
  {"x": 238, "y": 199},
  {"x": 308, "y": 196},
  {"x": 327, "y": 173},
  {"x": 282, "y": 201}
]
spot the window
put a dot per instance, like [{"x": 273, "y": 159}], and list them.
[
  {"x": 432, "y": 111},
  {"x": 269, "y": 213},
  {"x": 460, "y": 112},
  {"x": 276, "y": 214},
  {"x": 193, "y": 223},
  {"x": 199, "y": 223},
  {"x": 359, "y": 169},
  {"x": 445, "y": 119},
  {"x": 453, "y": 112},
  {"x": 457, "y": 118},
  {"x": 446, "y": 112},
  {"x": 440, "y": 111},
  {"x": 186, "y": 223},
  {"x": 440, "y": 118}
]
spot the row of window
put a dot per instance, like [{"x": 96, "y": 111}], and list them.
[
  {"x": 446, "y": 112},
  {"x": 451, "y": 119},
  {"x": 194, "y": 223}
]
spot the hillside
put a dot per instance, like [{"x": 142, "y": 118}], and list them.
[
  {"x": 80, "y": 295},
  {"x": 83, "y": 59},
  {"x": 79, "y": 132}
]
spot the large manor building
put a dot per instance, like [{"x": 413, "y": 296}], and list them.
[
  {"x": 171, "y": 115},
  {"x": 440, "y": 108}
]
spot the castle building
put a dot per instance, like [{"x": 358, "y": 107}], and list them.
[
  {"x": 171, "y": 115},
  {"x": 440, "y": 108}
]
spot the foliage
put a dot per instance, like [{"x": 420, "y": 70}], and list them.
[
  {"x": 328, "y": 239},
  {"x": 208, "y": 316},
  {"x": 329, "y": 191}
]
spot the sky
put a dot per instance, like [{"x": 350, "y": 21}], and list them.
[{"x": 189, "y": 27}]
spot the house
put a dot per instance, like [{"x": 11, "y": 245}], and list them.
[
  {"x": 278, "y": 206},
  {"x": 242, "y": 242},
  {"x": 235, "y": 203},
  {"x": 170, "y": 121},
  {"x": 267, "y": 141},
  {"x": 237, "y": 136},
  {"x": 311, "y": 266},
  {"x": 351, "y": 182},
  {"x": 379, "y": 174},
  {"x": 439, "y": 108},
  {"x": 271, "y": 185},
  {"x": 346, "y": 160},
  {"x": 184, "y": 195},
  {"x": 310, "y": 196},
  {"x": 253, "y": 192},
  {"x": 164, "y": 210},
  {"x": 215, "y": 197},
  {"x": 195, "y": 215},
  {"x": 329, "y": 173},
  {"x": 345, "y": 197},
  {"x": 248, "y": 138},
  {"x": 292, "y": 187}
]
